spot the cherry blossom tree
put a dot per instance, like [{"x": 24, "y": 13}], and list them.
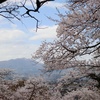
[
  {"x": 14, "y": 87},
  {"x": 78, "y": 38},
  {"x": 35, "y": 89},
  {"x": 5, "y": 74},
  {"x": 82, "y": 94}
]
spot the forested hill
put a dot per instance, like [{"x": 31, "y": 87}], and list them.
[{"x": 22, "y": 66}]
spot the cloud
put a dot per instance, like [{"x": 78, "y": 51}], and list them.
[
  {"x": 15, "y": 0},
  {"x": 46, "y": 33},
  {"x": 28, "y": 2},
  {"x": 55, "y": 4},
  {"x": 12, "y": 51},
  {"x": 51, "y": 4},
  {"x": 10, "y": 35},
  {"x": 15, "y": 43}
]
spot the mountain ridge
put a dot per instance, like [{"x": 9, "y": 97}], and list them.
[{"x": 23, "y": 66}]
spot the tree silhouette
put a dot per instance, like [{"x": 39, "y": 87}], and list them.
[
  {"x": 2, "y": 1},
  {"x": 40, "y": 3},
  {"x": 11, "y": 10}
]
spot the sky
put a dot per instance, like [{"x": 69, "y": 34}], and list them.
[{"x": 20, "y": 40}]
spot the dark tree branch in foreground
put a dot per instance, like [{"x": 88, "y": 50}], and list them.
[
  {"x": 11, "y": 10},
  {"x": 2, "y": 1},
  {"x": 40, "y": 3}
]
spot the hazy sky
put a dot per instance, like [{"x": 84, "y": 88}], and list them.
[{"x": 21, "y": 40}]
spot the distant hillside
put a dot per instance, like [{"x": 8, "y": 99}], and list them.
[
  {"x": 28, "y": 67},
  {"x": 23, "y": 66}
]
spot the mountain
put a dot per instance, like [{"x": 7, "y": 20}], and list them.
[
  {"x": 23, "y": 66},
  {"x": 27, "y": 67}
]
